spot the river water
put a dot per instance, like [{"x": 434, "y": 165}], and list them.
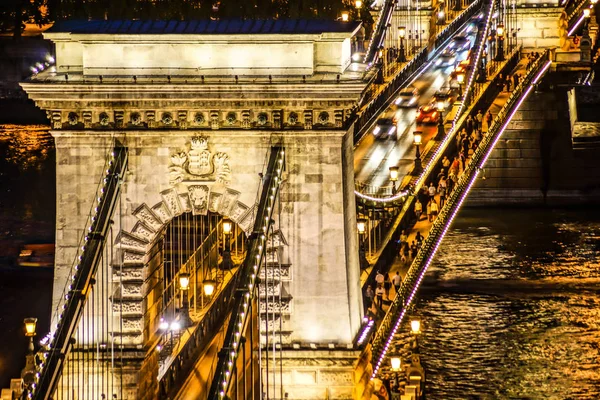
[{"x": 510, "y": 307}]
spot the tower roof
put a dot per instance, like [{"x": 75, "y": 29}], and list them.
[{"x": 205, "y": 27}]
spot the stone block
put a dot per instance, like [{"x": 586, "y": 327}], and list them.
[
  {"x": 313, "y": 178},
  {"x": 305, "y": 377}
]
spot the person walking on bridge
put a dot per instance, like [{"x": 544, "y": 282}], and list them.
[
  {"x": 397, "y": 280},
  {"x": 489, "y": 118},
  {"x": 418, "y": 210},
  {"x": 478, "y": 120}
]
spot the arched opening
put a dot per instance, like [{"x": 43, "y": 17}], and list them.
[{"x": 189, "y": 262}]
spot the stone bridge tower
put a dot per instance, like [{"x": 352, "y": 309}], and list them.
[{"x": 198, "y": 104}]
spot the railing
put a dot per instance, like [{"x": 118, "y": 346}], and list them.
[
  {"x": 380, "y": 30},
  {"x": 416, "y": 272},
  {"x": 382, "y": 100},
  {"x": 200, "y": 337},
  {"x": 246, "y": 288},
  {"x": 573, "y": 8},
  {"x": 82, "y": 275}
]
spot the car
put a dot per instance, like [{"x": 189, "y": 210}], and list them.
[
  {"x": 464, "y": 68},
  {"x": 446, "y": 59},
  {"x": 408, "y": 97},
  {"x": 385, "y": 128},
  {"x": 443, "y": 95},
  {"x": 427, "y": 114},
  {"x": 460, "y": 43}
]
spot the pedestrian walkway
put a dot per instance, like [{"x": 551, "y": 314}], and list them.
[{"x": 423, "y": 225}]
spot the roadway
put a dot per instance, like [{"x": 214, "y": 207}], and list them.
[{"x": 374, "y": 156}]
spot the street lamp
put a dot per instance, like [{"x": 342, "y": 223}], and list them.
[
  {"x": 393, "y": 178},
  {"x": 460, "y": 78},
  {"x": 441, "y": 16},
  {"x": 209, "y": 287},
  {"x": 345, "y": 16},
  {"x": 184, "y": 285},
  {"x": 440, "y": 133},
  {"x": 28, "y": 373},
  {"x": 358, "y": 4},
  {"x": 396, "y": 363},
  {"x": 415, "y": 330},
  {"x": 361, "y": 226},
  {"x": 401, "y": 35},
  {"x": 227, "y": 226},
  {"x": 500, "y": 52},
  {"x": 417, "y": 135}
]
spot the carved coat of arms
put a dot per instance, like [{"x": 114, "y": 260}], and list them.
[{"x": 199, "y": 164}]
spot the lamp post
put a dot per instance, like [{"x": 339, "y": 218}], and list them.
[
  {"x": 396, "y": 367},
  {"x": 227, "y": 226},
  {"x": 441, "y": 15},
  {"x": 28, "y": 373},
  {"x": 208, "y": 286},
  {"x": 358, "y": 4},
  {"x": 361, "y": 226},
  {"x": 393, "y": 178},
  {"x": 184, "y": 285},
  {"x": 345, "y": 16},
  {"x": 417, "y": 135},
  {"x": 460, "y": 78},
  {"x": 440, "y": 132},
  {"x": 500, "y": 35},
  {"x": 586, "y": 14},
  {"x": 415, "y": 330},
  {"x": 401, "y": 35}
]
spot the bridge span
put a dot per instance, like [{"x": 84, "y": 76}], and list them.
[{"x": 223, "y": 200}]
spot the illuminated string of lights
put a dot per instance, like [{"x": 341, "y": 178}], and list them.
[
  {"x": 442, "y": 224},
  {"x": 40, "y": 66},
  {"x": 255, "y": 258},
  {"x": 75, "y": 290}
]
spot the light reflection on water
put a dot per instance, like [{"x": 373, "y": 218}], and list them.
[{"x": 511, "y": 307}]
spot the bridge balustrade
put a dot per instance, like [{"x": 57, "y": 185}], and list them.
[{"x": 408, "y": 289}]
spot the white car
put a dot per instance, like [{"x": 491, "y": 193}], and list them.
[{"x": 408, "y": 97}]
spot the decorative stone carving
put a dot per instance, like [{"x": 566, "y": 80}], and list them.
[
  {"x": 128, "y": 273},
  {"x": 214, "y": 201},
  {"x": 262, "y": 119},
  {"x": 167, "y": 118},
  {"x": 136, "y": 118},
  {"x": 198, "y": 164},
  {"x": 171, "y": 199},
  {"x": 73, "y": 118},
  {"x": 198, "y": 195},
  {"x": 337, "y": 378},
  {"x": 308, "y": 119},
  {"x": 214, "y": 119},
  {"x": 246, "y": 119},
  {"x": 323, "y": 117},
  {"x": 229, "y": 198},
  {"x": 162, "y": 211},
  {"x": 293, "y": 118},
  {"x": 151, "y": 118},
  {"x": 231, "y": 118},
  {"x": 87, "y": 119},
  {"x": 145, "y": 215},
  {"x": 339, "y": 118},
  {"x": 56, "y": 120},
  {"x": 142, "y": 231},
  {"x": 119, "y": 117},
  {"x": 277, "y": 119},
  {"x": 103, "y": 119},
  {"x": 184, "y": 200},
  {"x": 127, "y": 307},
  {"x": 131, "y": 257},
  {"x": 237, "y": 211},
  {"x": 199, "y": 118},
  {"x": 246, "y": 222},
  {"x": 127, "y": 240},
  {"x": 182, "y": 119}
]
